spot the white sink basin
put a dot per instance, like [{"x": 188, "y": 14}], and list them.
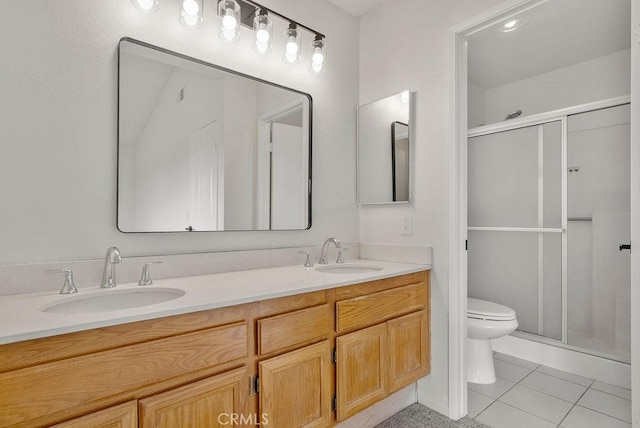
[
  {"x": 113, "y": 300},
  {"x": 348, "y": 268}
]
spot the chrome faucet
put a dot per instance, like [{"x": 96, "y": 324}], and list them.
[
  {"x": 325, "y": 249},
  {"x": 109, "y": 272}
]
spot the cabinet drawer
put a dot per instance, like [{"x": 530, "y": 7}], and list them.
[
  {"x": 364, "y": 311},
  {"x": 294, "y": 328},
  {"x": 96, "y": 376}
]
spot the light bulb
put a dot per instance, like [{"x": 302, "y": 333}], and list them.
[
  {"x": 317, "y": 57},
  {"x": 292, "y": 46},
  {"x": 190, "y": 7},
  {"x": 146, "y": 4},
  {"x": 228, "y": 35},
  {"x": 262, "y": 47},
  {"x": 190, "y": 20},
  {"x": 291, "y": 57},
  {"x": 262, "y": 35},
  {"x": 229, "y": 21}
]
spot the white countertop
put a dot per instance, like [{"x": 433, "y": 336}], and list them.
[{"x": 21, "y": 317}]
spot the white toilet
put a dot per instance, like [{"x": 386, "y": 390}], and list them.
[{"x": 485, "y": 321}]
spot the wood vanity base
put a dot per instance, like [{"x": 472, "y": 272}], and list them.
[{"x": 311, "y": 360}]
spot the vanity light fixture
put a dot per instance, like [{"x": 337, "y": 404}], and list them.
[
  {"x": 146, "y": 5},
  {"x": 318, "y": 55},
  {"x": 229, "y": 10},
  {"x": 191, "y": 13},
  {"x": 292, "y": 39},
  {"x": 235, "y": 13},
  {"x": 263, "y": 26}
]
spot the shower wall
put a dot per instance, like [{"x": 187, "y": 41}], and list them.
[{"x": 561, "y": 88}]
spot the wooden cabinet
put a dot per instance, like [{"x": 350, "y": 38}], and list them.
[
  {"x": 122, "y": 416},
  {"x": 361, "y": 374},
  {"x": 217, "y": 401},
  {"x": 408, "y": 341},
  {"x": 295, "y": 388},
  {"x": 391, "y": 352},
  {"x": 198, "y": 369}
]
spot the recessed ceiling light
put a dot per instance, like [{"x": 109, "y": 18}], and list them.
[{"x": 513, "y": 24}]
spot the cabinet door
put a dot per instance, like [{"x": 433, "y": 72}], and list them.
[
  {"x": 295, "y": 388},
  {"x": 361, "y": 370},
  {"x": 408, "y": 349},
  {"x": 218, "y": 401},
  {"x": 122, "y": 416}
]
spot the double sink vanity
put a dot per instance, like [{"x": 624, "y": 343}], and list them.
[{"x": 286, "y": 347}]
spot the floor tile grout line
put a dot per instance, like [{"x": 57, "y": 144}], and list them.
[
  {"x": 523, "y": 411},
  {"x": 561, "y": 378},
  {"x": 576, "y": 403},
  {"x": 500, "y": 396},
  {"x": 605, "y": 414},
  {"x": 608, "y": 393},
  {"x": 543, "y": 393}
]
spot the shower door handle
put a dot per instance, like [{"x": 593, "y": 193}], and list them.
[{"x": 625, "y": 247}]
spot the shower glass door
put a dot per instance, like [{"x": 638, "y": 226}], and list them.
[
  {"x": 549, "y": 226},
  {"x": 599, "y": 281},
  {"x": 515, "y": 217}
]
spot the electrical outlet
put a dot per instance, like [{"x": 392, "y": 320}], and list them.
[{"x": 406, "y": 225}]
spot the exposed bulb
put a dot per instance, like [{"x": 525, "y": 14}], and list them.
[
  {"x": 229, "y": 21},
  {"x": 262, "y": 35},
  {"x": 190, "y": 7},
  {"x": 262, "y": 47},
  {"x": 292, "y": 47},
  {"x": 190, "y": 20},
  {"x": 318, "y": 56},
  {"x": 145, "y": 4},
  {"x": 228, "y": 35},
  {"x": 291, "y": 57}
]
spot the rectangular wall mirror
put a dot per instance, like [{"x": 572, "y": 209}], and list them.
[
  {"x": 203, "y": 148},
  {"x": 384, "y": 150}
]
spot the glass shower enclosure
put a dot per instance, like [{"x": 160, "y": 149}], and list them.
[{"x": 548, "y": 218}]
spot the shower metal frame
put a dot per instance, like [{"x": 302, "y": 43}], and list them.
[{"x": 560, "y": 115}]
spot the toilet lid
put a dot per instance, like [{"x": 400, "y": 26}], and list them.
[{"x": 482, "y": 309}]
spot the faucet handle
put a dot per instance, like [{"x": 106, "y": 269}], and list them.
[
  {"x": 69, "y": 286},
  {"x": 307, "y": 262},
  {"x": 145, "y": 279},
  {"x": 341, "y": 255}
]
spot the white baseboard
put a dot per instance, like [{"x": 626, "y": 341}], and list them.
[
  {"x": 590, "y": 366},
  {"x": 382, "y": 410}
]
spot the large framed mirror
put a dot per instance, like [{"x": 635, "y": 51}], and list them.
[
  {"x": 384, "y": 149},
  {"x": 204, "y": 148}
]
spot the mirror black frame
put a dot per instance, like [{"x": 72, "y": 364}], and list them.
[
  {"x": 393, "y": 158},
  {"x": 233, "y": 72}
]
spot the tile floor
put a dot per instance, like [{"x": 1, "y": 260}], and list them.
[{"x": 527, "y": 395}]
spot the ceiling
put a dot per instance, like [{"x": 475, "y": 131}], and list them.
[
  {"x": 357, "y": 7},
  {"x": 560, "y": 33}
]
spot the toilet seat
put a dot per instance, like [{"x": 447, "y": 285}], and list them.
[{"x": 483, "y": 310}]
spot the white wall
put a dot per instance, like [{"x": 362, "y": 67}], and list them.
[
  {"x": 554, "y": 90},
  {"x": 59, "y": 124},
  {"x": 418, "y": 58}
]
